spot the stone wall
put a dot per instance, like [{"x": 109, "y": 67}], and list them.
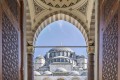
[{"x": 10, "y": 41}]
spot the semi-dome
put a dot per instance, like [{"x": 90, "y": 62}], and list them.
[
  {"x": 36, "y": 73},
  {"x": 61, "y": 49},
  {"x": 47, "y": 73},
  {"x": 61, "y": 70},
  {"x": 74, "y": 73}
]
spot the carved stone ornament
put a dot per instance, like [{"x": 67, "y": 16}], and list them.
[
  {"x": 10, "y": 53},
  {"x": 37, "y": 7},
  {"x": 83, "y": 8},
  {"x": 60, "y": 3},
  {"x": 110, "y": 51}
]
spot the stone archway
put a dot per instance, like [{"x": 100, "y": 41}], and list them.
[
  {"x": 32, "y": 34},
  {"x": 61, "y": 16}
]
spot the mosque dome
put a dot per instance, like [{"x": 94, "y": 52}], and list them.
[
  {"x": 74, "y": 73},
  {"x": 41, "y": 60},
  {"x": 61, "y": 70},
  {"x": 61, "y": 55},
  {"x": 36, "y": 73},
  {"x": 47, "y": 73},
  {"x": 61, "y": 49},
  {"x": 39, "y": 57}
]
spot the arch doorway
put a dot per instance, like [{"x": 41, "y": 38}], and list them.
[
  {"x": 65, "y": 59},
  {"x": 51, "y": 19}
]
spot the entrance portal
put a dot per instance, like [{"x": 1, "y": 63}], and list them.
[{"x": 60, "y": 51}]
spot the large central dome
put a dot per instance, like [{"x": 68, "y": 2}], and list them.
[
  {"x": 60, "y": 55},
  {"x": 61, "y": 49}
]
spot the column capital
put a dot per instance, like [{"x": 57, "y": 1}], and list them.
[
  {"x": 91, "y": 49},
  {"x": 29, "y": 50}
]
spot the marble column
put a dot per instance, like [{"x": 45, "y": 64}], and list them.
[
  {"x": 91, "y": 66},
  {"x": 91, "y": 63},
  {"x": 30, "y": 67}
]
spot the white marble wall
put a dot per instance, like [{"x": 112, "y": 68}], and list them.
[
  {"x": 82, "y": 63},
  {"x": 68, "y": 67}
]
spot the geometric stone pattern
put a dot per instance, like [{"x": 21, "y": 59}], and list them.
[
  {"x": 110, "y": 50},
  {"x": 83, "y": 8},
  {"x": 38, "y": 9},
  {"x": 10, "y": 59},
  {"x": 60, "y": 3},
  {"x": 13, "y": 7}
]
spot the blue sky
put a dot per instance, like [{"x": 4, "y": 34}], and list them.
[{"x": 60, "y": 32}]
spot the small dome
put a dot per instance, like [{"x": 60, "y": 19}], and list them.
[
  {"x": 47, "y": 73},
  {"x": 36, "y": 73},
  {"x": 40, "y": 60},
  {"x": 83, "y": 74},
  {"x": 61, "y": 70},
  {"x": 40, "y": 57},
  {"x": 74, "y": 73}
]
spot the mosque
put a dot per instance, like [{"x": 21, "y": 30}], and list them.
[
  {"x": 60, "y": 62},
  {"x": 21, "y": 22}
]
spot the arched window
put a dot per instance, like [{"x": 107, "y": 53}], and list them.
[
  {"x": 62, "y": 60},
  {"x": 58, "y": 59}
]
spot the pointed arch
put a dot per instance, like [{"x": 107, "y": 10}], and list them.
[{"x": 60, "y": 16}]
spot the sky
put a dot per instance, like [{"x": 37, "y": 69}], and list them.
[{"x": 60, "y": 33}]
